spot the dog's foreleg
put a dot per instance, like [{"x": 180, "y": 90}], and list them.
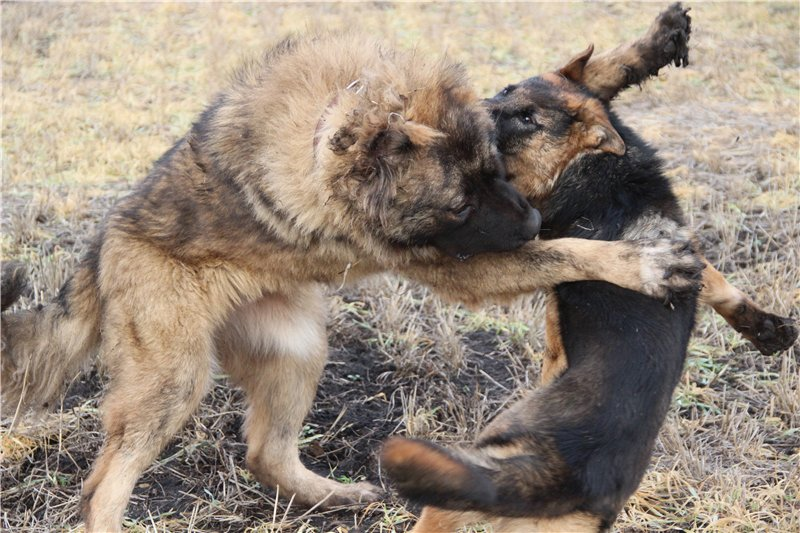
[
  {"x": 656, "y": 268},
  {"x": 768, "y": 332},
  {"x": 629, "y": 64},
  {"x": 275, "y": 349}
]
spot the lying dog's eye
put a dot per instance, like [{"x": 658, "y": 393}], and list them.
[{"x": 507, "y": 90}]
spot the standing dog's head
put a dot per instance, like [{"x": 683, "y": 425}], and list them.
[
  {"x": 417, "y": 163},
  {"x": 545, "y": 122}
]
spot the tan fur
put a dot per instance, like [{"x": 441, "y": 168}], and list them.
[
  {"x": 540, "y": 162},
  {"x": 721, "y": 295},
  {"x": 433, "y": 520},
  {"x": 554, "y": 360},
  {"x": 607, "y": 74},
  {"x": 220, "y": 254},
  {"x": 62, "y": 343}
]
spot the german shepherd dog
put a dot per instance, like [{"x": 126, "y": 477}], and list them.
[
  {"x": 568, "y": 456},
  {"x": 329, "y": 159}
]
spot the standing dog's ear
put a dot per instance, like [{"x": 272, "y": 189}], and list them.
[
  {"x": 573, "y": 70},
  {"x": 383, "y": 148}
]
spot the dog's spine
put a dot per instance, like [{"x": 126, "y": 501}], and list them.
[{"x": 44, "y": 347}]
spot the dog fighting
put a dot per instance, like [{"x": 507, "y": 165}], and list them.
[{"x": 342, "y": 287}]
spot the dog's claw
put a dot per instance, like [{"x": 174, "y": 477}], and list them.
[
  {"x": 670, "y": 33},
  {"x": 355, "y": 494},
  {"x": 770, "y": 334}
]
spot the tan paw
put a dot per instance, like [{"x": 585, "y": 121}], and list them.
[{"x": 669, "y": 268}]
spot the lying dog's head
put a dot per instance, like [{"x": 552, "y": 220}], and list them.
[
  {"x": 420, "y": 168},
  {"x": 545, "y": 122}
]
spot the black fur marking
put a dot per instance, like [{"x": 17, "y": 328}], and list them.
[
  {"x": 631, "y": 348},
  {"x": 586, "y": 438}
]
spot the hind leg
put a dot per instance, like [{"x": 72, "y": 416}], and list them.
[
  {"x": 157, "y": 348},
  {"x": 275, "y": 349},
  {"x": 142, "y": 413},
  {"x": 554, "y": 362},
  {"x": 436, "y": 520}
]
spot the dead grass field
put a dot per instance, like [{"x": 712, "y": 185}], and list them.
[{"x": 93, "y": 94}]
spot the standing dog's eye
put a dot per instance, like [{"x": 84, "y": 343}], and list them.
[
  {"x": 529, "y": 120},
  {"x": 462, "y": 212}
]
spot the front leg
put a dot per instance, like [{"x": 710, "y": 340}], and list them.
[
  {"x": 655, "y": 267},
  {"x": 630, "y": 64},
  {"x": 768, "y": 332}
]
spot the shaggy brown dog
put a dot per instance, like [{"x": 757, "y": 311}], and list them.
[{"x": 329, "y": 159}]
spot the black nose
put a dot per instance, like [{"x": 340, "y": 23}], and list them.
[{"x": 532, "y": 225}]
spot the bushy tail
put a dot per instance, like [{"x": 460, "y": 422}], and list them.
[
  {"x": 432, "y": 475},
  {"x": 13, "y": 283},
  {"x": 526, "y": 479},
  {"x": 43, "y": 348}
]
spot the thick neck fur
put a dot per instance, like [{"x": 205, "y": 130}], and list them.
[{"x": 258, "y": 135}]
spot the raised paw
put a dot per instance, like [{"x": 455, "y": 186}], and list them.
[
  {"x": 668, "y": 38},
  {"x": 769, "y": 333},
  {"x": 669, "y": 268}
]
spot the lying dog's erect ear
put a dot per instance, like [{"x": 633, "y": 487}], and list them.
[
  {"x": 599, "y": 134},
  {"x": 573, "y": 70},
  {"x": 606, "y": 139}
]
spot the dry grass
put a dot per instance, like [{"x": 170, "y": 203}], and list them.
[{"x": 92, "y": 94}]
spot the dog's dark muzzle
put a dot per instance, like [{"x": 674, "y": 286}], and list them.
[
  {"x": 504, "y": 221},
  {"x": 531, "y": 226}
]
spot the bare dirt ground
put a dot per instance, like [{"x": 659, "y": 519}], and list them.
[{"x": 92, "y": 94}]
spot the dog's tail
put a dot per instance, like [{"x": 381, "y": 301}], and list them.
[
  {"x": 13, "y": 283},
  {"x": 533, "y": 481},
  {"x": 432, "y": 475},
  {"x": 44, "y": 347}
]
